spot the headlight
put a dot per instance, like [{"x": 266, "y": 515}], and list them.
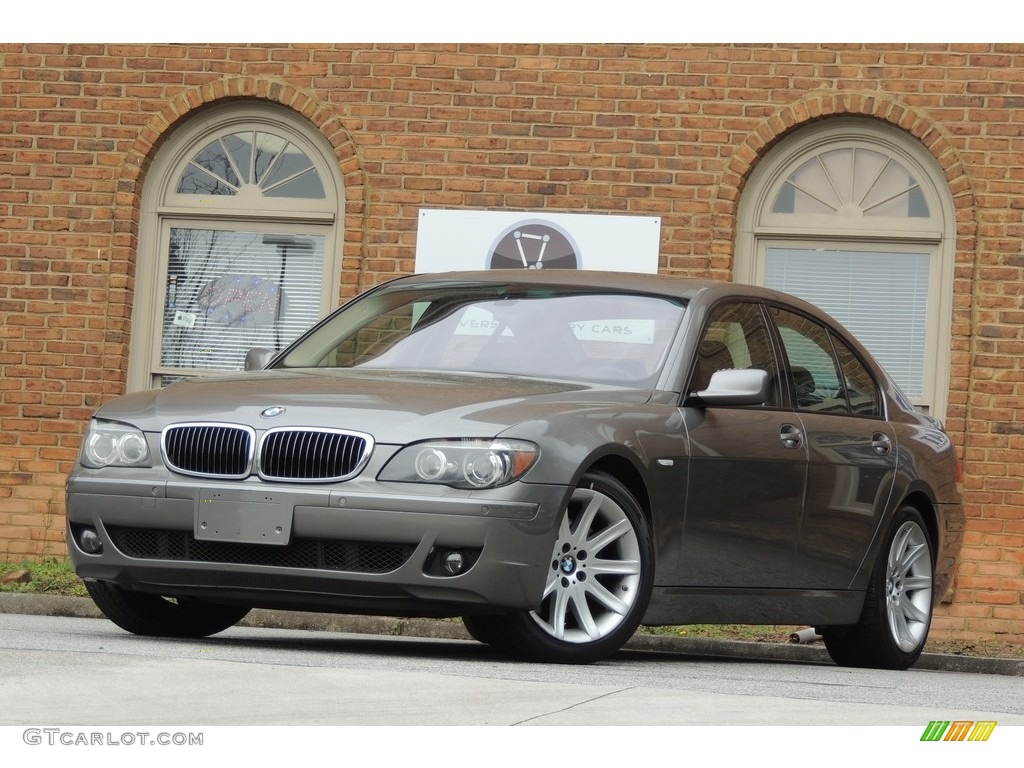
[
  {"x": 111, "y": 444},
  {"x": 469, "y": 464}
]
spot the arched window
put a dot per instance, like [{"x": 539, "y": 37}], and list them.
[
  {"x": 855, "y": 216},
  {"x": 237, "y": 242}
]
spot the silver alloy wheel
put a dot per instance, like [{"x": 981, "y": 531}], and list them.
[
  {"x": 908, "y": 587},
  {"x": 595, "y": 571}
]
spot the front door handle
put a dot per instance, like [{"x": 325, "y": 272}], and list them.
[
  {"x": 881, "y": 444},
  {"x": 791, "y": 436}
]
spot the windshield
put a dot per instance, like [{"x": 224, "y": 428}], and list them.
[{"x": 581, "y": 335}]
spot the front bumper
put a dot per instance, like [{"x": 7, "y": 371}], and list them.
[{"x": 358, "y": 547}]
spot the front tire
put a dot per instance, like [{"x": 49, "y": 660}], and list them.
[
  {"x": 598, "y": 586},
  {"x": 897, "y": 611},
  {"x": 486, "y": 629},
  {"x": 144, "y": 614}
]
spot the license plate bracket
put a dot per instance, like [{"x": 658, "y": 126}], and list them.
[{"x": 244, "y": 517}]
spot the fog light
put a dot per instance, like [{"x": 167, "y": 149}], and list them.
[
  {"x": 454, "y": 563},
  {"x": 90, "y": 541}
]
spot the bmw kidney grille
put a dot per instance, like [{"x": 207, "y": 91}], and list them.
[{"x": 309, "y": 454}]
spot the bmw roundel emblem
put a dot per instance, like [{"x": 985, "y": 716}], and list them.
[{"x": 272, "y": 412}]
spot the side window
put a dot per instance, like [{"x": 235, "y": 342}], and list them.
[
  {"x": 736, "y": 336},
  {"x": 861, "y": 389},
  {"x": 826, "y": 374}
]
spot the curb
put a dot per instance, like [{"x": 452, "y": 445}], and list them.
[{"x": 83, "y": 607}]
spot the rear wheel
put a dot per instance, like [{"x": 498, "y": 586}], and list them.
[
  {"x": 598, "y": 586},
  {"x": 144, "y": 614},
  {"x": 897, "y": 609}
]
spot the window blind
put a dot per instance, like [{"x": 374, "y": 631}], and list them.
[
  {"x": 229, "y": 291},
  {"x": 880, "y": 297}
]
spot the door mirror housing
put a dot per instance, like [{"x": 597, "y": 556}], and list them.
[
  {"x": 258, "y": 358},
  {"x": 733, "y": 386}
]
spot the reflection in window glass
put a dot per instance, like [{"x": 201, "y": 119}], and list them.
[
  {"x": 842, "y": 181},
  {"x": 268, "y": 150},
  {"x": 617, "y": 339},
  {"x": 239, "y": 150},
  {"x": 861, "y": 390},
  {"x": 815, "y": 377},
  {"x": 306, "y": 185},
  {"x": 261, "y": 160},
  {"x": 286, "y": 165},
  {"x": 196, "y": 181},
  {"x": 736, "y": 337},
  {"x": 228, "y": 291},
  {"x": 214, "y": 159}
]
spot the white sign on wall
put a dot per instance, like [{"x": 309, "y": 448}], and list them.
[{"x": 469, "y": 240}]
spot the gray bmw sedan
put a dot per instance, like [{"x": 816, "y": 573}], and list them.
[{"x": 555, "y": 456}]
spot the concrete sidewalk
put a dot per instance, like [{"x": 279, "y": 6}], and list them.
[{"x": 82, "y": 607}]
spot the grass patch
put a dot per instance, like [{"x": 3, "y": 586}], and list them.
[
  {"x": 996, "y": 649},
  {"x": 751, "y": 633},
  {"x": 51, "y": 576}
]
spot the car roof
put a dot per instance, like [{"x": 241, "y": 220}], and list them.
[
  {"x": 634, "y": 282},
  {"x": 686, "y": 288}
]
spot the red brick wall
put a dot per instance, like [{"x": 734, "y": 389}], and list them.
[{"x": 666, "y": 130}]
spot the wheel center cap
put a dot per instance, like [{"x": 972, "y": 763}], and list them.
[
  {"x": 895, "y": 589},
  {"x": 567, "y": 564}
]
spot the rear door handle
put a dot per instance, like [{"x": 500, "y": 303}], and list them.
[
  {"x": 791, "y": 436},
  {"x": 881, "y": 444}
]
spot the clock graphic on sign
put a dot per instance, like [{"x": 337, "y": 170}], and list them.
[{"x": 534, "y": 244}]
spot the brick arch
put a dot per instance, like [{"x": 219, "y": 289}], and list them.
[
  {"x": 819, "y": 106},
  {"x": 128, "y": 200}
]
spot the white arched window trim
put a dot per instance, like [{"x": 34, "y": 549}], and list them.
[
  {"x": 274, "y": 232},
  {"x": 767, "y": 239}
]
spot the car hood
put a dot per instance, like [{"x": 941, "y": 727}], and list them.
[{"x": 392, "y": 406}]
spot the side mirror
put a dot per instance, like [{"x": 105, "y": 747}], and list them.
[
  {"x": 733, "y": 386},
  {"x": 257, "y": 358}
]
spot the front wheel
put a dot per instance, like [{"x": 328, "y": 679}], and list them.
[
  {"x": 144, "y": 614},
  {"x": 897, "y": 609},
  {"x": 598, "y": 586}
]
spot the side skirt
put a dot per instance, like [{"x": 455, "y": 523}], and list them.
[{"x": 689, "y": 605}]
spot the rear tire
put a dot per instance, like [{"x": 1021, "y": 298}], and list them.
[
  {"x": 599, "y": 582},
  {"x": 144, "y": 614},
  {"x": 897, "y": 611}
]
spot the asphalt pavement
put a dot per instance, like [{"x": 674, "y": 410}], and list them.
[{"x": 811, "y": 653}]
